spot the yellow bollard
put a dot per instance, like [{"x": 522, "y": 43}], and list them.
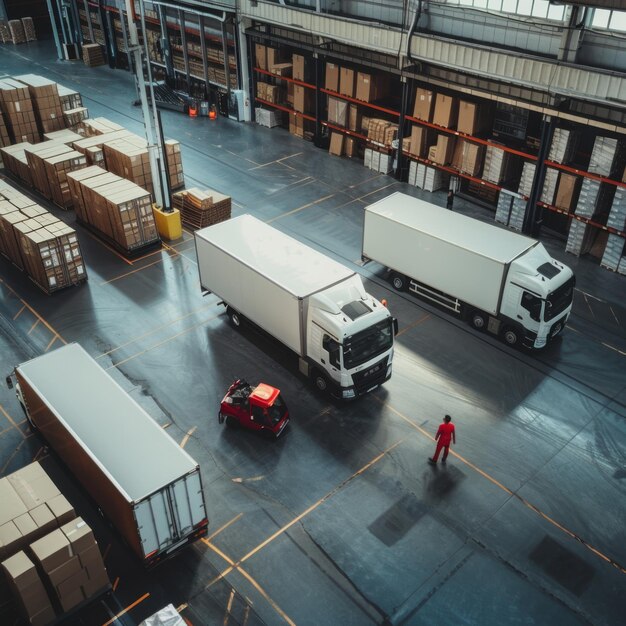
[{"x": 168, "y": 224}]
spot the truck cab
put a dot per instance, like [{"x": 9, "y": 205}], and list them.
[{"x": 259, "y": 408}]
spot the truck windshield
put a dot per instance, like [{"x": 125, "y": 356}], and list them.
[
  {"x": 559, "y": 299},
  {"x": 277, "y": 411},
  {"x": 367, "y": 344}
]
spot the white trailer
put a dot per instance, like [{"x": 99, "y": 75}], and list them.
[
  {"x": 312, "y": 304},
  {"x": 496, "y": 279},
  {"x": 140, "y": 478}
]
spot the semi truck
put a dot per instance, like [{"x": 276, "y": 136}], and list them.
[
  {"x": 498, "y": 280},
  {"x": 146, "y": 485},
  {"x": 312, "y": 304}
]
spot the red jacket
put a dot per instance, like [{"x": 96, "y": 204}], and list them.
[{"x": 445, "y": 432}]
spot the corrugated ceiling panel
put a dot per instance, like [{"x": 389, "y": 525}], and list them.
[{"x": 545, "y": 75}]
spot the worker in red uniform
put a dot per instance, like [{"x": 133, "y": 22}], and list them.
[{"x": 445, "y": 435}]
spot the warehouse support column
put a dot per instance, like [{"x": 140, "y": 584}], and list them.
[
  {"x": 55, "y": 27},
  {"x": 534, "y": 213},
  {"x": 400, "y": 158},
  {"x": 319, "y": 98},
  {"x": 244, "y": 76}
]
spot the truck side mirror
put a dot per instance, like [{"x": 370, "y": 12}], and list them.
[
  {"x": 395, "y": 326},
  {"x": 9, "y": 382}
]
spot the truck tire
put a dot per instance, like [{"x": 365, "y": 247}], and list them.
[
  {"x": 510, "y": 336},
  {"x": 399, "y": 282},
  {"x": 235, "y": 318},
  {"x": 478, "y": 320},
  {"x": 320, "y": 381},
  {"x": 231, "y": 422}
]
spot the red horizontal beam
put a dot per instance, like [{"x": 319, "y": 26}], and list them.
[
  {"x": 286, "y": 109},
  {"x": 573, "y": 170},
  {"x": 361, "y": 102},
  {"x": 581, "y": 218},
  {"x": 287, "y": 78}
]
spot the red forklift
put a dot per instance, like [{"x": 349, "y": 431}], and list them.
[{"x": 259, "y": 408}]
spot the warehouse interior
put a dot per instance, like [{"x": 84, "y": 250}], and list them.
[{"x": 303, "y": 114}]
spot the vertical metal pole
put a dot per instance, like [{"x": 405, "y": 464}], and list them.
[
  {"x": 126, "y": 43},
  {"x": 55, "y": 32},
  {"x": 66, "y": 38},
  {"x": 165, "y": 42},
  {"x": 245, "y": 79},
  {"x": 226, "y": 61},
  {"x": 89, "y": 24},
  {"x": 319, "y": 96},
  {"x": 534, "y": 213},
  {"x": 183, "y": 39},
  {"x": 400, "y": 158},
  {"x": 205, "y": 64},
  {"x": 76, "y": 18}
]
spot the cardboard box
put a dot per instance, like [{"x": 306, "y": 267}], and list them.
[
  {"x": 302, "y": 99},
  {"x": 354, "y": 118},
  {"x": 71, "y": 599},
  {"x": 274, "y": 57},
  {"x": 20, "y": 570},
  {"x": 11, "y": 540},
  {"x": 97, "y": 580},
  {"x": 337, "y": 111},
  {"x": 43, "y": 617},
  {"x": 79, "y": 534},
  {"x": 298, "y": 67},
  {"x": 346, "y": 82},
  {"x": 12, "y": 504},
  {"x": 282, "y": 69},
  {"x": 566, "y": 191},
  {"x": 446, "y": 111},
  {"x": 296, "y": 125},
  {"x": 261, "y": 56},
  {"x": 472, "y": 156},
  {"x": 332, "y": 77},
  {"x": 60, "y": 574},
  {"x": 366, "y": 87},
  {"x": 350, "y": 147},
  {"x": 444, "y": 149},
  {"x": 424, "y": 101},
  {"x": 336, "y": 144},
  {"x": 290, "y": 87},
  {"x": 473, "y": 118},
  {"x": 418, "y": 140},
  {"x": 52, "y": 550},
  {"x": 62, "y": 510}
]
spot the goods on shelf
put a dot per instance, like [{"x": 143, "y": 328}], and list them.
[
  {"x": 617, "y": 215},
  {"x": 427, "y": 178},
  {"x": 299, "y": 67},
  {"x": 563, "y": 146},
  {"x": 497, "y": 165},
  {"x": 377, "y": 161},
  {"x": 588, "y": 198},
  {"x": 296, "y": 125},
  {"x": 442, "y": 152},
  {"x": 607, "y": 157},
  {"x": 474, "y": 118},
  {"x": 370, "y": 87},
  {"x": 419, "y": 140},
  {"x": 5, "y": 31},
  {"x": 114, "y": 207},
  {"x": 46, "y": 101},
  {"x": 446, "y": 111},
  {"x": 566, "y": 191},
  {"x": 331, "y": 78},
  {"x": 337, "y": 111},
  {"x": 336, "y": 144},
  {"x": 274, "y": 57},
  {"x": 424, "y": 102},
  {"x": 354, "y": 118},
  {"x": 526, "y": 180},
  {"x": 93, "y": 54},
  {"x": 549, "y": 185},
  {"x": 17, "y": 31},
  {"x": 15, "y": 161},
  {"x": 613, "y": 252},
  {"x": 29, "y": 29},
  {"x": 200, "y": 208},
  {"x": 18, "y": 111},
  {"x": 381, "y": 131},
  {"x": 70, "y": 99},
  {"x": 282, "y": 69},
  {"x": 66, "y": 136},
  {"x": 36, "y": 241},
  {"x": 266, "y": 117},
  {"x": 35, "y": 155},
  {"x": 302, "y": 99},
  {"x": 346, "y": 82},
  {"x": 269, "y": 93},
  {"x": 579, "y": 238},
  {"x": 468, "y": 157}
]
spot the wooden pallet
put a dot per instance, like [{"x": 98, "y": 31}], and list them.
[{"x": 201, "y": 208}]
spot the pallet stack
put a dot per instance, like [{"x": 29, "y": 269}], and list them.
[
  {"x": 174, "y": 160},
  {"x": 29, "y": 29},
  {"x": 16, "y": 162},
  {"x": 91, "y": 147},
  {"x": 613, "y": 257},
  {"x": 18, "y": 111},
  {"x": 93, "y": 54},
  {"x": 46, "y": 101},
  {"x": 99, "y": 126},
  {"x": 5, "y": 32},
  {"x": 17, "y": 31},
  {"x": 35, "y": 155},
  {"x": 57, "y": 168},
  {"x": 4, "y": 133},
  {"x": 70, "y": 99},
  {"x": 200, "y": 208},
  {"x": 39, "y": 243},
  {"x": 116, "y": 209},
  {"x": 66, "y": 135}
]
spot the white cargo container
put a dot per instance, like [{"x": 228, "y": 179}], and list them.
[
  {"x": 312, "y": 304},
  {"x": 140, "y": 478},
  {"x": 496, "y": 279}
]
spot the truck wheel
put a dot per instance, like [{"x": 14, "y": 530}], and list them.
[
  {"x": 231, "y": 422},
  {"x": 479, "y": 321},
  {"x": 320, "y": 381},
  {"x": 235, "y": 318},
  {"x": 399, "y": 282},
  {"x": 510, "y": 336}
]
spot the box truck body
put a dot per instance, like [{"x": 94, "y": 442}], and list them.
[
  {"x": 312, "y": 304},
  {"x": 499, "y": 280},
  {"x": 142, "y": 481}
]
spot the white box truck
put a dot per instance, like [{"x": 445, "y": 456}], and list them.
[
  {"x": 498, "y": 280},
  {"x": 147, "y": 486},
  {"x": 312, "y": 304}
]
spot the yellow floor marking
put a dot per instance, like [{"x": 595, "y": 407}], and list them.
[
  {"x": 139, "y": 269},
  {"x": 414, "y": 324},
  {"x": 225, "y": 526},
  {"x": 50, "y": 343},
  {"x": 19, "y": 312},
  {"x": 108, "y": 247},
  {"x": 376, "y": 190},
  {"x": 190, "y": 432},
  {"x": 511, "y": 493},
  {"x": 12, "y": 421},
  {"x": 36, "y": 323},
  {"x": 19, "y": 445},
  {"x": 229, "y": 606},
  {"x": 128, "y": 608},
  {"x": 116, "y": 582},
  {"x": 161, "y": 343},
  {"x": 612, "y": 348},
  {"x": 306, "y": 206}
]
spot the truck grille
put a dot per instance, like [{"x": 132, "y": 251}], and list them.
[{"x": 370, "y": 377}]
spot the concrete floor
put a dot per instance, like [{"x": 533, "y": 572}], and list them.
[{"x": 342, "y": 521}]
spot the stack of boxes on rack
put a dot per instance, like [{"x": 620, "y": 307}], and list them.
[
  {"x": 200, "y": 208},
  {"x": 18, "y": 111},
  {"x": 46, "y": 102},
  {"x": 72, "y": 104},
  {"x": 35, "y": 241},
  {"x": 17, "y": 31},
  {"x": 93, "y": 54},
  {"x": 49, "y": 557}
]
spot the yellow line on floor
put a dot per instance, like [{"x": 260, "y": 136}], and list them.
[
  {"x": 12, "y": 422},
  {"x": 50, "y": 343},
  {"x": 128, "y": 608},
  {"x": 225, "y": 526},
  {"x": 229, "y": 606},
  {"x": 612, "y": 348},
  {"x": 306, "y": 206},
  {"x": 188, "y": 434},
  {"x": 108, "y": 247},
  {"x": 36, "y": 323},
  {"x": 377, "y": 190},
  {"x": 19, "y": 445},
  {"x": 510, "y": 492},
  {"x": 414, "y": 324},
  {"x": 19, "y": 312},
  {"x": 139, "y": 269}
]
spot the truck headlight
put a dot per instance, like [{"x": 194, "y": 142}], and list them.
[{"x": 348, "y": 393}]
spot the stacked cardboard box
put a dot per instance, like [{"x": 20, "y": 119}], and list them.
[
  {"x": 15, "y": 161},
  {"x": 174, "y": 159},
  {"x": 518, "y": 213},
  {"x": 5, "y": 32},
  {"x": 496, "y": 165},
  {"x": 563, "y": 146},
  {"x": 526, "y": 180},
  {"x": 370, "y": 87},
  {"x": 565, "y": 197},
  {"x": 35, "y": 155},
  {"x": 114, "y": 207},
  {"x": 419, "y": 140},
  {"x": 468, "y": 157},
  {"x": 503, "y": 208},
  {"x": 130, "y": 161},
  {"x": 381, "y": 132},
  {"x": 613, "y": 252},
  {"x": 93, "y": 54},
  {"x": 200, "y": 208},
  {"x": 337, "y": 111},
  {"x": 296, "y": 125},
  {"x": 57, "y": 168},
  {"x": 579, "y": 238},
  {"x": 299, "y": 67},
  {"x": 446, "y": 111},
  {"x": 303, "y": 99},
  {"x": 424, "y": 101},
  {"x": 607, "y": 157},
  {"x": 66, "y": 136},
  {"x": 70, "y": 99},
  {"x": 4, "y": 133},
  {"x": 18, "y": 111},
  {"x": 549, "y": 185},
  {"x": 91, "y": 147},
  {"x": 444, "y": 150},
  {"x": 29, "y": 29},
  {"x": 17, "y": 31},
  {"x": 331, "y": 78},
  {"x": 71, "y": 565},
  {"x": 427, "y": 178},
  {"x": 282, "y": 69},
  {"x": 588, "y": 199},
  {"x": 99, "y": 126},
  {"x": 28, "y": 590},
  {"x": 268, "y": 118},
  {"x": 617, "y": 214},
  {"x": 474, "y": 118},
  {"x": 377, "y": 161},
  {"x": 75, "y": 117},
  {"x": 46, "y": 101}
]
